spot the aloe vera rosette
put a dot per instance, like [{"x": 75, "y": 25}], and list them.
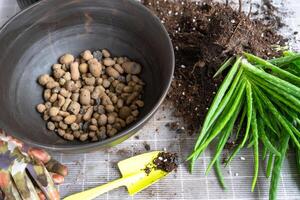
[{"x": 262, "y": 99}]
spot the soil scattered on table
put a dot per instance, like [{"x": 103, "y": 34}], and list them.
[
  {"x": 204, "y": 35},
  {"x": 270, "y": 14}
]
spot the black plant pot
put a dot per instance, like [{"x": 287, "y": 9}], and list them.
[
  {"x": 33, "y": 40},
  {"x": 24, "y": 3}
]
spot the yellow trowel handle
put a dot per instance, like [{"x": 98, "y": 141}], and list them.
[{"x": 97, "y": 191}]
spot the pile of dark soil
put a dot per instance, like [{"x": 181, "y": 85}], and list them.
[
  {"x": 166, "y": 161},
  {"x": 204, "y": 34}
]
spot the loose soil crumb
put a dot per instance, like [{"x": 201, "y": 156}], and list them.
[
  {"x": 147, "y": 170},
  {"x": 147, "y": 146},
  {"x": 175, "y": 126},
  {"x": 230, "y": 145},
  {"x": 204, "y": 35},
  {"x": 137, "y": 137}
]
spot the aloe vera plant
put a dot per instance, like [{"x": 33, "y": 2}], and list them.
[{"x": 263, "y": 96}]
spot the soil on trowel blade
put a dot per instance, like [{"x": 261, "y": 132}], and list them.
[
  {"x": 164, "y": 161},
  {"x": 204, "y": 35}
]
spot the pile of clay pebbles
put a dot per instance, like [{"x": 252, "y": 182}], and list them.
[{"x": 91, "y": 97}]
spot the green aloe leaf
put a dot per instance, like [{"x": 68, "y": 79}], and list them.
[
  {"x": 226, "y": 64},
  {"x": 226, "y": 102},
  {"x": 278, "y": 116},
  {"x": 276, "y": 93},
  {"x": 219, "y": 173},
  {"x": 278, "y": 161},
  {"x": 280, "y": 72},
  {"x": 218, "y": 98},
  {"x": 269, "y": 165},
  {"x": 262, "y": 112},
  {"x": 227, "y": 131},
  {"x": 221, "y": 123},
  {"x": 240, "y": 125},
  {"x": 249, "y": 117},
  {"x": 282, "y": 84},
  {"x": 265, "y": 140},
  {"x": 287, "y": 59},
  {"x": 255, "y": 149},
  {"x": 287, "y": 111},
  {"x": 232, "y": 92},
  {"x": 264, "y": 152}
]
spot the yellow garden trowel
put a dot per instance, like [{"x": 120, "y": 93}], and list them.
[{"x": 138, "y": 173}]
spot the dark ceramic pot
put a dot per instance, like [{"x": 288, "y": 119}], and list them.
[
  {"x": 33, "y": 40},
  {"x": 25, "y": 3}
]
